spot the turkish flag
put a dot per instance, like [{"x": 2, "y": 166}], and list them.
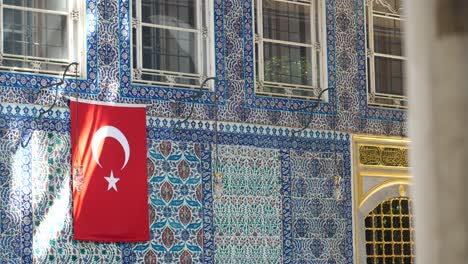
[{"x": 110, "y": 188}]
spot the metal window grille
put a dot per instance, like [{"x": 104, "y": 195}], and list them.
[
  {"x": 385, "y": 59},
  {"x": 41, "y": 36},
  {"x": 172, "y": 42},
  {"x": 390, "y": 233},
  {"x": 289, "y": 54}
]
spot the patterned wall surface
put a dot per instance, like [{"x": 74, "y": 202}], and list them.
[
  {"x": 319, "y": 221},
  {"x": 185, "y": 220},
  {"x": 247, "y": 215},
  {"x": 36, "y": 218},
  {"x": 15, "y": 216},
  {"x": 176, "y": 213},
  {"x": 36, "y": 202},
  {"x": 108, "y": 73}
]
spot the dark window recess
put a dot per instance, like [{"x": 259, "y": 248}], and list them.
[{"x": 389, "y": 232}]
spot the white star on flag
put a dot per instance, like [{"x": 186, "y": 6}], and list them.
[{"x": 112, "y": 181}]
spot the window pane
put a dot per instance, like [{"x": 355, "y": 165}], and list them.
[
  {"x": 57, "y": 5},
  {"x": 133, "y": 8},
  {"x": 389, "y": 76},
  {"x": 169, "y": 50},
  {"x": 35, "y": 34},
  {"x": 287, "y": 64},
  {"x": 387, "y": 36},
  {"x": 175, "y": 13},
  {"x": 164, "y": 79},
  {"x": 288, "y": 22},
  {"x": 391, "y": 249},
  {"x": 389, "y": 6},
  {"x": 134, "y": 48}
]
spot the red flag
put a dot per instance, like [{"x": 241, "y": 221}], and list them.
[{"x": 110, "y": 199}]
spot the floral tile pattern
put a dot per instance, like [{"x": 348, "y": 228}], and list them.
[
  {"x": 36, "y": 204},
  {"x": 176, "y": 213},
  {"x": 278, "y": 203},
  {"x": 319, "y": 221},
  {"x": 247, "y": 216}
]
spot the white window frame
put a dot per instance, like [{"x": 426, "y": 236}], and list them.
[
  {"x": 204, "y": 34},
  {"x": 396, "y": 101},
  {"x": 75, "y": 24},
  {"x": 317, "y": 44}
]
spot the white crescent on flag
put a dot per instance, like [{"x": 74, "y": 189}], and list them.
[{"x": 113, "y": 132}]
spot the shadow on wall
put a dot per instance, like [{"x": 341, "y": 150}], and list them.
[
  {"x": 35, "y": 209},
  {"x": 12, "y": 209}
]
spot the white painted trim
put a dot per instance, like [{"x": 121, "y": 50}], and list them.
[
  {"x": 318, "y": 61},
  {"x": 369, "y": 15},
  {"x": 204, "y": 19},
  {"x": 37, "y": 10},
  {"x": 170, "y": 27},
  {"x": 75, "y": 39},
  {"x": 290, "y": 43}
]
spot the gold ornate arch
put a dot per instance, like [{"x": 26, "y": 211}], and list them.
[{"x": 380, "y": 171}]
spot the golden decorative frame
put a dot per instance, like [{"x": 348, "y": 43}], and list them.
[{"x": 383, "y": 162}]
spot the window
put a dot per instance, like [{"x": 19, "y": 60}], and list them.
[
  {"x": 40, "y": 36},
  {"x": 390, "y": 233},
  {"x": 386, "y": 60},
  {"x": 172, "y": 42},
  {"x": 289, "y": 48}
]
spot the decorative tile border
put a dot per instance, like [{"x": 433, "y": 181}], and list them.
[
  {"x": 208, "y": 229},
  {"x": 287, "y": 220},
  {"x": 15, "y": 116},
  {"x": 271, "y": 103},
  {"x": 26, "y": 206},
  {"x": 152, "y": 92}
]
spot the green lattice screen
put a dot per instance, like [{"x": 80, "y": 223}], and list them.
[{"x": 389, "y": 233}]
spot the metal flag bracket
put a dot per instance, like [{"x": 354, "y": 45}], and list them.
[{"x": 25, "y": 143}]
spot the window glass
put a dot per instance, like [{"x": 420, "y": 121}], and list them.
[
  {"x": 171, "y": 44},
  {"x": 41, "y": 36},
  {"x": 287, "y": 64},
  {"x": 169, "y": 50},
  {"x": 175, "y": 13},
  {"x": 288, "y": 49},
  {"x": 288, "y": 22},
  {"x": 386, "y": 61},
  {"x": 389, "y": 233},
  {"x": 389, "y": 76},
  {"x": 35, "y": 34},
  {"x": 57, "y": 5},
  {"x": 388, "y": 6},
  {"x": 388, "y": 36}
]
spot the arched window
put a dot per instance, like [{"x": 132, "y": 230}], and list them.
[
  {"x": 383, "y": 229},
  {"x": 389, "y": 233}
]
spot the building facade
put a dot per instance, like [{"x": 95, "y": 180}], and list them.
[{"x": 257, "y": 166}]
